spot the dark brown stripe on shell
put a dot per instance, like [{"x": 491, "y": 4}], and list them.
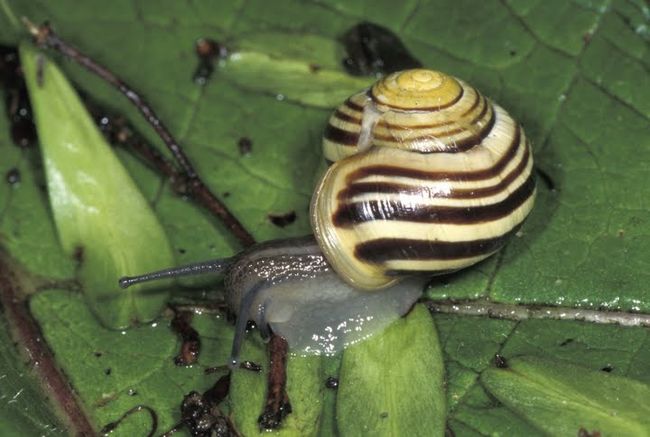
[
  {"x": 349, "y": 214},
  {"x": 478, "y": 100},
  {"x": 468, "y": 143},
  {"x": 457, "y": 146},
  {"x": 354, "y": 106},
  {"x": 345, "y": 117},
  {"x": 359, "y": 188},
  {"x": 401, "y": 272},
  {"x": 386, "y": 249},
  {"x": 431, "y": 109},
  {"x": 340, "y": 136},
  {"x": 440, "y": 135},
  {"x": 389, "y": 170}
]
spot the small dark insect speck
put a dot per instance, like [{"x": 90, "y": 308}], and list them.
[
  {"x": 384, "y": 415},
  {"x": 208, "y": 51},
  {"x": 98, "y": 354},
  {"x": 332, "y": 383},
  {"x": 249, "y": 365},
  {"x": 13, "y": 176},
  {"x": 566, "y": 342},
  {"x": 513, "y": 52},
  {"x": 608, "y": 368},
  {"x": 282, "y": 220},
  {"x": 500, "y": 361},
  {"x": 108, "y": 371},
  {"x": 245, "y": 146},
  {"x": 181, "y": 251}
]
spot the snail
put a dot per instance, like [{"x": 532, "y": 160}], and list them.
[{"x": 427, "y": 177}]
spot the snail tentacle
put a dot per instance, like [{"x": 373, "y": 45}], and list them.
[{"x": 216, "y": 266}]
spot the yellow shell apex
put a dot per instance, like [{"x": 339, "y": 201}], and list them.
[{"x": 417, "y": 89}]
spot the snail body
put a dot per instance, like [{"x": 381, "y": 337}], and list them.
[{"x": 427, "y": 177}]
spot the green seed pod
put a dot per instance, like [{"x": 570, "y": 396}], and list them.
[{"x": 101, "y": 217}]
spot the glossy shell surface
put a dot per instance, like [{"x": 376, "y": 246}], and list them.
[{"x": 429, "y": 176}]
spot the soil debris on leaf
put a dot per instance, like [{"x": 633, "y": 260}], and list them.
[{"x": 373, "y": 50}]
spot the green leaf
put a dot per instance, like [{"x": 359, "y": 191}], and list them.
[
  {"x": 20, "y": 392},
  {"x": 100, "y": 215},
  {"x": 295, "y": 80},
  {"x": 562, "y": 398},
  {"x": 574, "y": 73},
  {"x": 304, "y": 388},
  {"x": 393, "y": 381}
]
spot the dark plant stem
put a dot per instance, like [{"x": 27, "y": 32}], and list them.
[
  {"x": 45, "y": 36},
  {"x": 277, "y": 401},
  {"x": 31, "y": 343}
]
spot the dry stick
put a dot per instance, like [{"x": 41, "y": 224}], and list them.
[
  {"x": 46, "y": 37},
  {"x": 277, "y": 404},
  {"x": 27, "y": 334}
]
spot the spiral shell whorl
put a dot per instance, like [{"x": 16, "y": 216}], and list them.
[
  {"x": 416, "y": 90},
  {"x": 432, "y": 190},
  {"x": 418, "y": 110}
]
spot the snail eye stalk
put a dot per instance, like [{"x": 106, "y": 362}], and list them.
[{"x": 215, "y": 266}]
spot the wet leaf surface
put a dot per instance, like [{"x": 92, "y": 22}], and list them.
[{"x": 574, "y": 73}]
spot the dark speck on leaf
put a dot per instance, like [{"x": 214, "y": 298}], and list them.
[
  {"x": 332, "y": 383},
  {"x": 513, "y": 52},
  {"x": 226, "y": 194},
  {"x": 282, "y": 220},
  {"x": 384, "y": 415},
  {"x": 98, "y": 354},
  {"x": 245, "y": 146},
  {"x": 108, "y": 371},
  {"x": 13, "y": 177},
  {"x": 608, "y": 368},
  {"x": 251, "y": 366},
  {"x": 566, "y": 342},
  {"x": 500, "y": 361},
  {"x": 181, "y": 251},
  {"x": 208, "y": 51},
  {"x": 78, "y": 254},
  {"x": 314, "y": 68}
]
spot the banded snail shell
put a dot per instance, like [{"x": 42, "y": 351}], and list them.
[{"x": 430, "y": 176}]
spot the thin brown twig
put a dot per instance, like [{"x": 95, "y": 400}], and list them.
[
  {"x": 27, "y": 334},
  {"x": 277, "y": 404},
  {"x": 45, "y": 36}
]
